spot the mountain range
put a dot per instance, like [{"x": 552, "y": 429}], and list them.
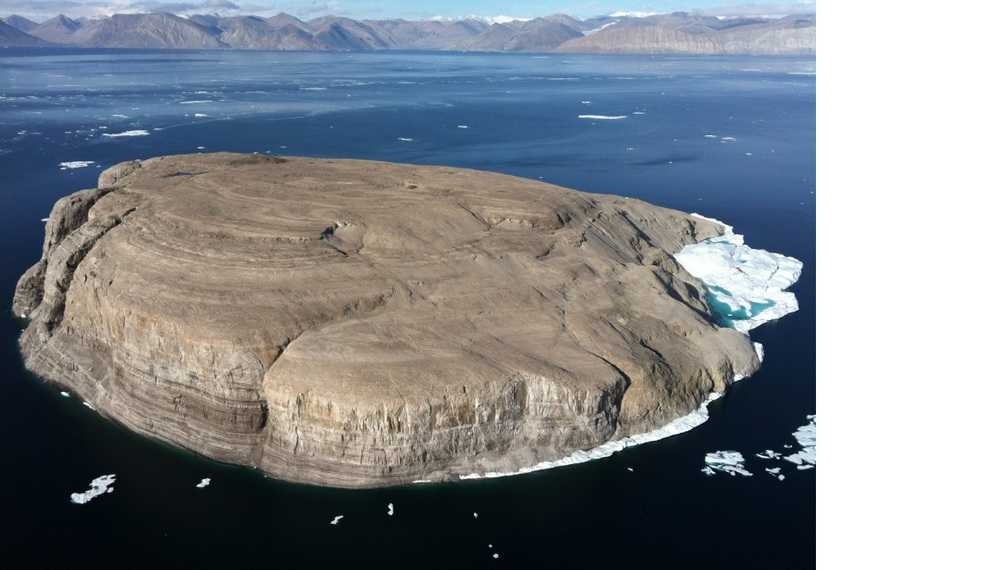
[{"x": 679, "y": 32}]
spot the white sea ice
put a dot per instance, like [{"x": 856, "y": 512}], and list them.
[
  {"x": 336, "y": 519},
  {"x": 73, "y": 164},
  {"x": 64, "y": 394},
  {"x": 197, "y": 102},
  {"x": 805, "y": 458},
  {"x": 463, "y": 126},
  {"x": 200, "y": 115},
  {"x": 768, "y": 454},
  {"x": 404, "y": 139},
  {"x": 746, "y": 284},
  {"x": 89, "y": 405},
  {"x": 134, "y": 133},
  {"x": 99, "y": 486},
  {"x": 204, "y": 483},
  {"x": 710, "y": 136},
  {"x": 730, "y": 462},
  {"x": 603, "y": 117},
  {"x": 392, "y": 510}
]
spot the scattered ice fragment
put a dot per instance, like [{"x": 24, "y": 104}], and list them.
[
  {"x": 45, "y": 220},
  {"x": 197, "y": 102},
  {"x": 200, "y": 115},
  {"x": 135, "y": 133},
  {"x": 730, "y": 462},
  {"x": 768, "y": 454},
  {"x": 603, "y": 117},
  {"x": 805, "y": 458},
  {"x": 629, "y": 469},
  {"x": 392, "y": 509},
  {"x": 748, "y": 153},
  {"x": 585, "y": 102},
  {"x": 638, "y": 112},
  {"x": 204, "y": 483},
  {"x": 200, "y": 148},
  {"x": 711, "y": 137},
  {"x": 64, "y": 394},
  {"x": 312, "y": 88},
  {"x": 72, "y": 164},
  {"x": 98, "y": 486},
  {"x": 746, "y": 286},
  {"x": 775, "y": 472},
  {"x": 475, "y": 515},
  {"x": 336, "y": 519},
  {"x": 119, "y": 116},
  {"x": 495, "y": 556},
  {"x": 89, "y": 405},
  {"x": 404, "y": 139},
  {"x": 463, "y": 126}
]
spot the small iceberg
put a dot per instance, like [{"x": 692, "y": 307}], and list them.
[
  {"x": 603, "y": 117},
  {"x": 463, "y": 126},
  {"x": 746, "y": 286},
  {"x": 805, "y": 458},
  {"x": 200, "y": 115},
  {"x": 336, "y": 519},
  {"x": 196, "y": 102},
  {"x": 64, "y": 394},
  {"x": 775, "y": 472},
  {"x": 99, "y": 486},
  {"x": 392, "y": 510},
  {"x": 74, "y": 164},
  {"x": 404, "y": 139},
  {"x": 204, "y": 483},
  {"x": 709, "y": 136},
  {"x": 730, "y": 462},
  {"x": 135, "y": 133}
]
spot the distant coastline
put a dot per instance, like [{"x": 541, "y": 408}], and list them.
[{"x": 676, "y": 33}]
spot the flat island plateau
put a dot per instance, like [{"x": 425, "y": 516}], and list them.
[{"x": 357, "y": 324}]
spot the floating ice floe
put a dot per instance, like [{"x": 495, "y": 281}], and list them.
[
  {"x": 89, "y": 405},
  {"x": 204, "y": 483},
  {"x": 119, "y": 116},
  {"x": 64, "y": 394},
  {"x": 404, "y": 139},
  {"x": 475, "y": 515},
  {"x": 730, "y": 462},
  {"x": 196, "y": 102},
  {"x": 746, "y": 286},
  {"x": 805, "y": 458},
  {"x": 585, "y": 102},
  {"x": 337, "y": 519},
  {"x": 312, "y": 88},
  {"x": 99, "y": 486},
  {"x": 728, "y": 139},
  {"x": 748, "y": 153},
  {"x": 710, "y": 136},
  {"x": 392, "y": 510},
  {"x": 768, "y": 454},
  {"x": 679, "y": 425},
  {"x": 74, "y": 164},
  {"x": 200, "y": 115},
  {"x": 775, "y": 472},
  {"x": 463, "y": 126},
  {"x": 603, "y": 117},
  {"x": 135, "y": 133},
  {"x": 495, "y": 556},
  {"x": 45, "y": 220},
  {"x": 638, "y": 112}
]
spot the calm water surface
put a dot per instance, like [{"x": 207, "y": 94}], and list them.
[{"x": 521, "y": 114}]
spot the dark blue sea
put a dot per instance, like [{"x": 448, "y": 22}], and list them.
[{"x": 521, "y": 114}]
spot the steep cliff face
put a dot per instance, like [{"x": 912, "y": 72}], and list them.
[{"x": 357, "y": 323}]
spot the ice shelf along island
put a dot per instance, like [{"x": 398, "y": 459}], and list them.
[{"x": 356, "y": 323}]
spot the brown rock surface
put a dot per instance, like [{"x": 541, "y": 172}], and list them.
[{"x": 356, "y": 323}]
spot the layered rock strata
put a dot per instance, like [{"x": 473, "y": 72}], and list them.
[{"x": 354, "y": 323}]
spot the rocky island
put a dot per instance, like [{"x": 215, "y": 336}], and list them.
[{"x": 354, "y": 323}]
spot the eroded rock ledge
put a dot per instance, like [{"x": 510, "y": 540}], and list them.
[{"x": 356, "y": 323}]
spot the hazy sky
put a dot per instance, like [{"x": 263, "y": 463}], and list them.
[{"x": 39, "y": 9}]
